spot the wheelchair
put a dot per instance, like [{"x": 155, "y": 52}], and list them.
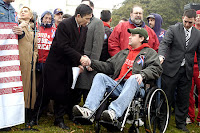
[{"x": 149, "y": 106}]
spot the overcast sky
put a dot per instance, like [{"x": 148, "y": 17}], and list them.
[{"x": 40, "y": 6}]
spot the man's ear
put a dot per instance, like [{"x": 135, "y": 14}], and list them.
[
  {"x": 142, "y": 39},
  {"x": 110, "y": 19},
  {"x": 78, "y": 15}
]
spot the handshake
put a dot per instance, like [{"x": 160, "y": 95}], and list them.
[{"x": 85, "y": 60}]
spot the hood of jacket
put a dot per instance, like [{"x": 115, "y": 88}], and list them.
[
  {"x": 52, "y": 19},
  {"x": 158, "y": 23}
]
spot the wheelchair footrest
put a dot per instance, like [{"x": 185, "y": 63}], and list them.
[
  {"x": 111, "y": 126},
  {"x": 82, "y": 120}
]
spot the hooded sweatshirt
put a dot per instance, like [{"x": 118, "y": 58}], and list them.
[
  {"x": 45, "y": 38},
  {"x": 157, "y": 28},
  {"x": 130, "y": 60}
]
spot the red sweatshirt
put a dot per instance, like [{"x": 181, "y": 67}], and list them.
[
  {"x": 130, "y": 60},
  {"x": 195, "y": 57}
]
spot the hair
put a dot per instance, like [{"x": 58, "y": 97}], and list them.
[
  {"x": 144, "y": 41},
  {"x": 105, "y": 15},
  {"x": 31, "y": 13},
  {"x": 190, "y": 13},
  {"x": 66, "y": 16},
  {"x": 83, "y": 10},
  {"x": 135, "y": 7},
  {"x": 91, "y": 3}
]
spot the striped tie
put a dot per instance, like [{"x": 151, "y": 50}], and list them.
[{"x": 187, "y": 37}]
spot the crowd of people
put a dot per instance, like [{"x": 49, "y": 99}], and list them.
[{"x": 103, "y": 55}]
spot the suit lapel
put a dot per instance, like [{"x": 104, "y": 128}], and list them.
[
  {"x": 192, "y": 36},
  {"x": 75, "y": 28}
]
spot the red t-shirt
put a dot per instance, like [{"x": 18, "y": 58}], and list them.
[{"x": 45, "y": 38}]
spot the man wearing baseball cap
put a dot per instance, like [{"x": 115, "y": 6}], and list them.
[
  {"x": 145, "y": 65},
  {"x": 58, "y": 17}
]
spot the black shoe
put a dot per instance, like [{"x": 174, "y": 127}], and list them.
[
  {"x": 184, "y": 129},
  {"x": 31, "y": 123},
  {"x": 5, "y": 129},
  {"x": 62, "y": 125}
]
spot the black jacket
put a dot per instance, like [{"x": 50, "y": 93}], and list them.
[
  {"x": 104, "y": 53},
  {"x": 173, "y": 48},
  {"x": 66, "y": 50}
]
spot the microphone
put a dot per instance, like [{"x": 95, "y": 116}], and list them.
[{"x": 35, "y": 16}]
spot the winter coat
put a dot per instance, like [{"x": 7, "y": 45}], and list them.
[
  {"x": 25, "y": 55},
  {"x": 93, "y": 47},
  {"x": 7, "y": 14},
  {"x": 104, "y": 53},
  {"x": 119, "y": 38},
  {"x": 151, "y": 67},
  {"x": 157, "y": 28},
  {"x": 65, "y": 52}
]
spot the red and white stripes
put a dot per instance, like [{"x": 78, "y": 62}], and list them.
[
  {"x": 11, "y": 89},
  {"x": 10, "y": 74}
]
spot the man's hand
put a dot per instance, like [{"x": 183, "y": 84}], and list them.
[
  {"x": 81, "y": 69},
  {"x": 161, "y": 58},
  {"x": 85, "y": 60},
  {"x": 17, "y": 30},
  {"x": 139, "y": 78},
  {"x": 89, "y": 68}
]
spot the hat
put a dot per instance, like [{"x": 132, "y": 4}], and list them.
[
  {"x": 151, "y": 16},
  {"x": 140, "y": 31},
  {"x": 198, "y": 11},
  {"x": 57, "y": 10}
]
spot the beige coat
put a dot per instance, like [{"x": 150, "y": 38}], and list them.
[{"x": 25, "y": 55}]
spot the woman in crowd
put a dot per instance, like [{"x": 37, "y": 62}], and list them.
[{"x": 25, "y": 55}]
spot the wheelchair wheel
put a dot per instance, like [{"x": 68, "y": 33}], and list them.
[{"x": 156, "y": 110}]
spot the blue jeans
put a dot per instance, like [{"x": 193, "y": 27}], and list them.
[{"x": 103, "y": 83}]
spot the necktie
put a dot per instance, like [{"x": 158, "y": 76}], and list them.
[
  {"x": 79, "y": 29},
  {"x": 187, "y": 37}
]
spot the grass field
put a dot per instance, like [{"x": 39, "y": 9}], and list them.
[{"x": 46, "y": 126}]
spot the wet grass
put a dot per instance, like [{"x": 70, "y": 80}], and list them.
[{"x": 46, "y": 126}]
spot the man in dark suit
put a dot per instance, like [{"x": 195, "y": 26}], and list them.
[
  {"x": 66, "y": 52},
  {"x": 176, "y": 52}
]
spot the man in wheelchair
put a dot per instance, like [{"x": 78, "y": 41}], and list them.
[{"x": 145, "y": 65}]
